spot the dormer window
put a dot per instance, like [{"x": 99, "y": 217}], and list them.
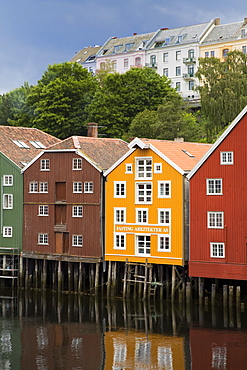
[
  {"x": 117, "y": 48},
  {"x": 180, "y": 39},
  {"x": 21, "y": 144},
  {"x": 243, "y": 33}
]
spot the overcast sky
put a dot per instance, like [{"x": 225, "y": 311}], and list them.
[{"x": 36, "y": 33}]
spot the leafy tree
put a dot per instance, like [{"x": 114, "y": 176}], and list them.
[
  {"x": 223, "y": 89},
  {"x": 60, "y": 98},
  {"x": 123, "y": 96}
]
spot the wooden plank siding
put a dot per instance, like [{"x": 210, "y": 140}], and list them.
[
  {"x": 131, "y": 228},
  {"x": 233, "y": 205},
  {"x": 59, "y": 224}
]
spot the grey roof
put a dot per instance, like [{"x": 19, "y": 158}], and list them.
[
  {"x": 224, "y": 32},
  {"x": 85, "y": 53},
  {"x": 189, "y": 34},
  {"x": 134, "y": 42}
]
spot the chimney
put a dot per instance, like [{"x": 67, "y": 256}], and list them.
[
  {"x": 179, "y": 139},
  {"x": 134, "y": 34},
  {"x": 164, "y": 29},
  {"x": 245, "y": 20},
  {"x": 92, "y": 129},
  {"x": 217, "y": 21}
]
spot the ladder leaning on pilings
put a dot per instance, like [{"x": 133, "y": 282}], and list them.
[{"x": 9, "y": 264}]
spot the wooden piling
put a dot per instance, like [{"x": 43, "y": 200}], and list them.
[
  {"x": 230, "y": 296},
  {"x": 59, "y": 277},
  {"x": 20, "y": 278},
  {"x": 69, "y": 272},
  {"x": 213, "y": 294},
  {"x": 36, "y": 273},
  {"x": 96, "y": 287},
  {"x": 173, "y": 284},
  {"x": 188, "y": 292},
  {"x": 109, "y": 279},
  {"x": 145, "y": 282},
  {"x": 43, "y": 285},
  {"x": 80, "y": 278},
  {"x": 26, "y": 275},
  {"x": 125, "y": 279},
  {"x": 201, "y": 290},
  {"x": 113, "y": 279}
]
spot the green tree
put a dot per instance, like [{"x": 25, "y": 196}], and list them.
[
  {"x": 123, "y": 96},
  {"x": 60, "y": 98},
  {"x": 223, "y": 89}
]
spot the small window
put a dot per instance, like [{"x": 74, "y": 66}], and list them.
[
  {"x": 7, "y": 180},
  {"x": 120, "y": 215},
  {"x": 214, "y": 186},
  {"x": 138, "y": 62},
  {"x": 119, "y": 189},
  {"x": 165, "y": 72},
  {"x": 212, "y": 54},
  {"x": 178, "y": 71},
  {"x": 77, "y": 164},
  {"x": 21, "y": 144},
  {"x": 153, "y": 60},
  {"x": 226, "y": 157},
  {"x": 157, "y": 167},
  {"x": 126, "y": 63},
  {"x": 164, "y": 217},
  {"x": 164, "y": 189},
  {"x": 225, "y": 52},
  {"x": 217, "y": 250},
  {"x": 77, "y": 211},
  {"x": 178, "y": 55},
  {"x": 44, "y": 210},
  {"x": 141, "y": 216},
  {"x": 144, "y": 192},
  {"x": 191, "y": 85},
  {"x": 8, "y": 201},
  {"x": 120, "y": 241},
  {"x": 114, "y": 65},
  {"x": 164, "y": 243},
  {"x": 244, "y": 49},
  {"x": 44, "y": 165},
  {"x": 191, "y": 53},
  {"x": 43, "y": 239},
  {"x": 7, "y": 231},
  {"x": 165, "y": 57},
  {"x": 206, "y": 54},
  {"x": 77, "y": 187},
  {"x": 180, "y": 38},
  {"x": 143, "y": 168},
  {"x": 128, "y": 168},
  {"x": 33, "y": 187},
  {"x": 143, "y": 245},
  {"x": 178, "y": 86},
  {"x": 76, "y": 240},
  {"x": 43, "y": 187},
  {"x": 88, "y": 187},
  {"x": 37, "y": 144},
  {"x": 215, "y": 220}
]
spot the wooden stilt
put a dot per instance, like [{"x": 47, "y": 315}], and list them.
[
  {"x": 167, "y": 283},
  {"x": 80, "y": 278},
  {"x": 109, "y": 279},
  {"x": 69, "y": 277},
  {"x": 145, "y": 282},
  {"x": 150, "y": 280},
  {"x": 188, "y": 293},
  {"x": 135, "y": 283},
  {"x": 75, "y": 277},
  {"x": 97, "y": 278},
  {"x": 224, "y": 295},
  {"x": 44, "y": 275},
  {"x": 160, "y": 267},
  {"x": 113, "y": 279},
  {"x": 26, "y": 275},
  {"x": 201, "y": 290},
  {"x": 59, "y": 277},
  {"x": 20, "y": 279},
  {"x": 213, "y": 294},
  {"x": 36, "y": 270},
  {"x": 173, "y": 284},
  {"x": 125, "y": 279}
]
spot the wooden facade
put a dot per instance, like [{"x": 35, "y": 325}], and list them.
[
  {"x": 218, "y": 223},
  {"x": 67, "y": 214},
  {"x": 147, "y": 202}
]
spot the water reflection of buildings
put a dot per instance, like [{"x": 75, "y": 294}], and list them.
[
  {"x": 218, "y": 349},
  {"x": 138, "y": 350}
]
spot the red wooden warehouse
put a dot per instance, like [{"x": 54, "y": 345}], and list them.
[{"x": 218, "y": 209}]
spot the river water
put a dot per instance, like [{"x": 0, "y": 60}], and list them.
[{"x": 74, "y": 332}]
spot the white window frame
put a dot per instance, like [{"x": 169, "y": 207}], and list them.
[
  {"x": 118, "y": 239},
  {"x": 7, "y": 180},
  {"x": 128, "y": 168},
  {"x": 214, "y": 186},
  {"x": 77, "y": 187},
  {"x": 43, "y": 239},
  {"x": 77, "y": 211},
  {"x": 145, "y": 196},
  {"x": 33, "y": 187},
  {"x": 218, "y": 245},
  {"x": 145, "y": 173},
  {"x": 164, "y": 237},
  {"x": 165, "y": 57},
  {"x": 119, "y": 189},
  {"x": 120, "y": 215},
  {"x": 145, "y": 247},
  {"x": 44, "y": 210},
  {"x": 157, "y": 167},
  {"x": 88, "y": 187},
  {"x": 8, "y": 201},
  {"x": 45, "y": 165},
  {"x": 7, "y": 231},
  {"x": 143, "y": 213},
  {"x": 213, "y": 220},
  {"x": 226, "y": 158},
  {"x": 163, "y": 193},
  {"x": 77, "y": 241},
  {"x": 165, "y": 211},
  {"x": 43, "y": 187},
  {"x": 77, "y": 164}
]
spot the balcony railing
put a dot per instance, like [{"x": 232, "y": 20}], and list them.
[
  {"x": 189, "y": 60},
  {"x": 151, "y": 65},
  {"x": 188, "y": 76}
]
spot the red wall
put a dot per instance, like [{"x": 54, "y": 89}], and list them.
[{"x": 232, "y": 203}]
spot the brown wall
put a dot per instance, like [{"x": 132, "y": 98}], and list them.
[{"x": 60, "y": 225}]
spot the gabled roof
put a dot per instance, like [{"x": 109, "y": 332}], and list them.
[
  {"x": 85, "y": 54},
  {"x": 135, "y": 42},
  {"x": 181, "y": 35},
  {"x": 181, "y": 155},
  {"x": 218, "y": 142},
  {"x": 22, "y": 144},
  {"x": 223, "y": 33},
  {"x": 103, "y": 152}
]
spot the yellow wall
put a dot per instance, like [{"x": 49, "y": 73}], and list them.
[
  {"x": 219, "y": 47},
  {"x": 175, "y": 203}
]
